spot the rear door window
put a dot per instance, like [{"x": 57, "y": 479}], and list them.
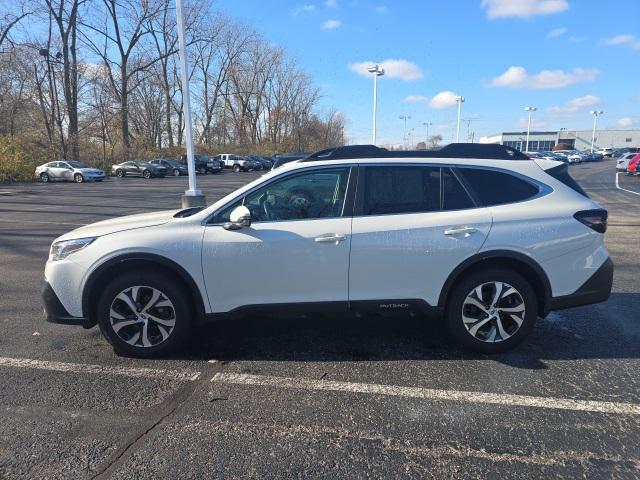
[
  {"x": 492, "y": 187},
  {"x": 401, "y": 189},
  {"x": 454, "y": 195}
]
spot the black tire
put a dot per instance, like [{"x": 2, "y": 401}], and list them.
[
  {"x": 465, "y": 286},
  {"x": 78, "y": 178},
  {"x": 146, "y": 174},
  {"x": 176, "y": 172},
  {"x": 170, "y": 290},
  {"x": 44, "y": 177},
  {"x": 120, "y": 173},
  {"x": 236, "y": 168}
]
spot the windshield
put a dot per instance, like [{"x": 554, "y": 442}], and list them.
[{"x": 76, "y": 164}]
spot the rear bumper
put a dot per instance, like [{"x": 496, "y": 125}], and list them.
[
  {"x": 596, "y": 289},
  {"x": 55, "y": 312}
]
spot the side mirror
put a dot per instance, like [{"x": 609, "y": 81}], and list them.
[{"x": 239, "y": 217}]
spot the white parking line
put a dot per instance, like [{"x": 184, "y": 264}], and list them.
[
  {"x": 429, "y": 394},
  {"x": 619, "y": 187},
  {"x": 99, "y": 369}
]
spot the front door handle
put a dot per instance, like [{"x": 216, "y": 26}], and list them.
[
  {"x": 460, "y": 231},
  {"x": 330, "y": 238}
]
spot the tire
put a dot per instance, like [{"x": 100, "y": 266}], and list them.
[
  {"x": 44, "y": 178},
  {"x": 78, "y": 178},
  {"x": 176, "y": 172},
  {"x": 236, "y": 168},
  {"x": 485, "y": 334},
  {"x": 120, "y": 173},
  {"x": 146, "y": 174},
  {"x": 172, "y": 310}
]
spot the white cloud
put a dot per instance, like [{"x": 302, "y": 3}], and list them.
[
  {"x": 416, "y": 99},
  {"x": 626, "y": 39},
  {"x": 331, "y": 24},
  {"x": 517, "y": 77},
  {"x": 522, "y": 8},
  {"x": 393, "y": 68},
  {"x": 305, "y": 8},
  {"x": 446, "y": 99},
  {"x": 625, "y": 122},
  {"x": 576, "y": 104},
  {"x": 535, "y": 123},
  {"x": 381, "y": 9},
  {"x": 331, "y": 3},
  {"x": 557, "y": 32}
]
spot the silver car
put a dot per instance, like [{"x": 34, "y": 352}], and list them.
[{"x": 71, "y": 171}]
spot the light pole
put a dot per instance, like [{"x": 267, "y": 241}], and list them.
[
  {"x": 595, "y": 114},
  {"x": 459, "y": 100},
  {"x": 530, "y": 110},
  {"x": 377, "y": 71},
  {"x": 426, "y": 125},
  {"x": 192, "y": 197},
  {"x": 404, "y": 131}
]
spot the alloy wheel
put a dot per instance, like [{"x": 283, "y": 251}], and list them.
[
  {"x": 78, "y": 178},
  {"x": 44, "y": 177},
  {"x": 142, "y": 316},
  {"x": 493, "y": 312}
]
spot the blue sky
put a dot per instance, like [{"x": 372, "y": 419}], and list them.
[{"x": 565, "y": 57}]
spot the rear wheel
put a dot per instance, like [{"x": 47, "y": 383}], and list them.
[
  {"x": 44, "y": 178},
  {"x": 78, "y": 178},
  {"x": 143, "y": 314},
  {"x": 176, "y": 172},
  {"x": 236, "y": 168},
  {"x": 491, "y": 311}
]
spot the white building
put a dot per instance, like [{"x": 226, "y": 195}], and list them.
[{"x": 578, "y": 139}]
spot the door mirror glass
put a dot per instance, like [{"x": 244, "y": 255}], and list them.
[{"x": 239, "y": 217}]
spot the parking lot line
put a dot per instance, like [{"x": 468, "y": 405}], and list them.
[
  {"x": 429, "y": 394},
  {"x": 180, "y": 375},
  {"x": 619, "y": 187}
]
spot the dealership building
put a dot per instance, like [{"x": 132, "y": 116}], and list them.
[{"x": 578, "y": 139}]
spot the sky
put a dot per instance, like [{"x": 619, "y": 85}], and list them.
[{"x": 565, "y": 57}]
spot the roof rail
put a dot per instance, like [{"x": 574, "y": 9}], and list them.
[{"x": 453, "y": 150}]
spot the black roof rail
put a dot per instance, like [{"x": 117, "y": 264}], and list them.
[{"x": 453, "y": 150}]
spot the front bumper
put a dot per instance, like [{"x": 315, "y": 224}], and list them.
[
  {"x": 55, "y": 312},
  {"x": 596, "y": 289}
]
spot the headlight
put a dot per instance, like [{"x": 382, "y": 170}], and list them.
[{"x": 61, "y": 250}]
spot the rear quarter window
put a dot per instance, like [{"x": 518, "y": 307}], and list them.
[{"x": 492, "y": 187}]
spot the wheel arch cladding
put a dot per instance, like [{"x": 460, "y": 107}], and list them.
[
  {"x": 125, "y": 263},
  {"x": 518, "y": 262}
]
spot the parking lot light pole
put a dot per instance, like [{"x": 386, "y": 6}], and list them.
[
  {"x": 404, "y": 132},
  {"x": 192, "y": 197},
  {"x": 459, "y": 100},
  {"x": 595, "y": 114},
  {"x": 530, "y": 110},
  {"x": 426, "y": 125},
  {"x": 377, "y": 71}
]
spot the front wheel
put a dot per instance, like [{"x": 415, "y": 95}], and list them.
[
  {"x": 144, "y": 315},
  {"x": 146, "y": 174},
  {"x": 491, "y": 311},
  {"x": 176, "y": 172},
  {"x": 78, "y": 178},
  {"x": 44, "y": 178},
  {"x": 119, "y": 173},
  {"x": 236, "y": 168}
]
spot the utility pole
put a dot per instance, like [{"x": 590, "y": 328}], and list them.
[{"x": 377, "y": 71}]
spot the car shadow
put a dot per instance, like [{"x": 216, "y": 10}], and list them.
[{"x": 607, "y": 330}]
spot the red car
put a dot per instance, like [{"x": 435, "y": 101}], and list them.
[{"x": 634, "y": 168}]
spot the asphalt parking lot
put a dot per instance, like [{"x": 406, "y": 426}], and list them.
[{"x": 315, "y": 397}]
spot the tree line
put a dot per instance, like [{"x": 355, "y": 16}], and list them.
[{"x": 100, "y": 79}]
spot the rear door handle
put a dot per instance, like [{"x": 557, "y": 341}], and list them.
[
  {"x": 330, "y": 238},
  {"x": 460, "y": 231}
]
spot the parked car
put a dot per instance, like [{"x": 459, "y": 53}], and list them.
[
  {"x": 264, "y": 162},
  {"x": 138, "y": 168},
  {"x": 174, "y": 167},
  {"x": 572, "y": 155},
  {"x": 69, "y": 171},
  {"x": 540, "y": 155},
  {"x": 236, "y": 163},
  {"x": 213, "y": 165},
  {"x": 284, "y": 158},
  {"x": 623, "y": 162},
  {"x": 199, "y": 162},
  {"x": 606, "y": 152},
  {"x": 483, "y": 236},
  {"x": 633, "y": 168}
]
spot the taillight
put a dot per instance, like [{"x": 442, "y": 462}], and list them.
[{"x": 594, "y": 219}]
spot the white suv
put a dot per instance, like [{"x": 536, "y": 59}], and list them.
[{"x": 491, "y": 243}]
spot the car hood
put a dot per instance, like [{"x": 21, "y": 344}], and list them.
[
  {"x": 120, "y": 224},
  {"x": 89, "y": 170}
]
